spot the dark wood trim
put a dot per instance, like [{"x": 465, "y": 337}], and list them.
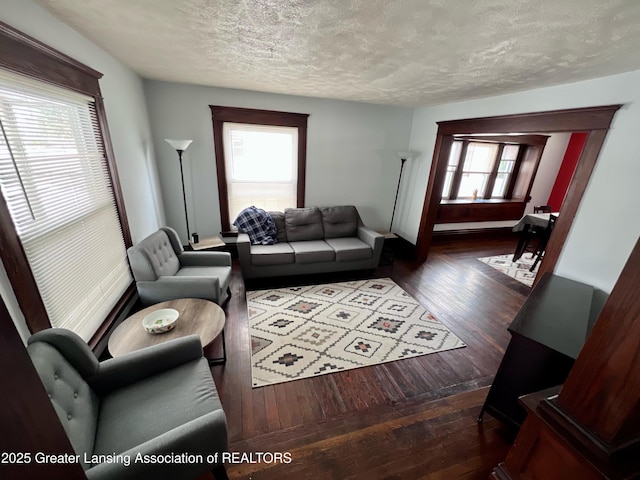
[
  {"x": 473, "y": 233},
  {"x": 28, "y": 421},
  {"x": 594, "y": 120},
  {"x": 508, "y": 139},
  {"x": 480, "y": 211},
  {"x": 491, "y": 182},
  {"x": 513, "y": 178},
  {"x": 221, "y": 114},
  {"x": 25, "y": 55},
  {"x": 118, "y": 312},
  {"x": 569, "y": 120},
  {"x": 578, "y": 185},
  {"x": 19, "y": 273},
  {"x": 457, "y": 175},
  {"x": 105, "y": 137}
]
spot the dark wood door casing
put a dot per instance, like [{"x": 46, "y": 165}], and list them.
[
  {"x": 593, "y": 120},
  {"x": 221, "y": 114}
]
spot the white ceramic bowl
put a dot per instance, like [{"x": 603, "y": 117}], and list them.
[{"x": 161, "y": 320}]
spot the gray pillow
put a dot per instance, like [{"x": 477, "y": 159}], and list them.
[
  {"x": 278, "y": 218},
  {"x": 303, "y": 224},
  {"x": 340, "y": 221}
]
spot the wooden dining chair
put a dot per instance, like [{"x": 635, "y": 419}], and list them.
[
  {"x": 542, "y": 209},
  {"x": 544, "y": 239}
]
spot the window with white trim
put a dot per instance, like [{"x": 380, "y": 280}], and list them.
[{"x": 57, "y": 187}]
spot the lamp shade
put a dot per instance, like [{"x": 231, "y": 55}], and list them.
[
  {"x": 178, "y": 144},
  {"x": 405, "y": 154}
]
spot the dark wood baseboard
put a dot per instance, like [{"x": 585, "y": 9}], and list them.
[{"x": 474, "y": 233}]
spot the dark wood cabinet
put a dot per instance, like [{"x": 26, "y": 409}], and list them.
[{"x": 546, "y": 337}]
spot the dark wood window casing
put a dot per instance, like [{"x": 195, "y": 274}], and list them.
[
  {"x": 25, "y": 55},
  {"x": 220, "y": 114},
  {"x": 513, "y": 203}
]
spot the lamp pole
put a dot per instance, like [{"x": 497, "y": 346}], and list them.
[
  {"x": 397, "y": 191},
  {"x": 180, "y": 146},
  {"x": 403, "y": 156},
  {"x": 184, "y": 195}
]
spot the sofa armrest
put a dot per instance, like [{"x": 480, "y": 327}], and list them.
[
  {"x": 243, "y": 245},
  {"x": 202, "y": 438},
  {"x": 205, "y": 259},
  {"x": 171, "y": 288},
  {"x": 135, "y": 366},
  {"x": 375, "y": 240}
]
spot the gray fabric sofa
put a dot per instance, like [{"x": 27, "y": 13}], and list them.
[
  {"x": 164, "y": 271},
  {"x": 312, "y": 240},
  {"x": 155, "y": 401}
]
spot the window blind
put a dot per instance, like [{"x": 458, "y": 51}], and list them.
[
  {"x": 261, "y": 164},
  {"x": 56, "y": 184}
]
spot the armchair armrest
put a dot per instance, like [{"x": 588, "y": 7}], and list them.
[
  {"x": 132, "y": 367},
  {"x": 205, "y": 259},
  {"x": 171, "y": 288}
]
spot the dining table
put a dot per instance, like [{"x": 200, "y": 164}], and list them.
[{"x": 524, "y": 227}]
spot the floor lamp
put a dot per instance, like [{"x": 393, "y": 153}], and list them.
[
  {"x": 180, "y": 146},
  {"x": 403, "y": 156}
]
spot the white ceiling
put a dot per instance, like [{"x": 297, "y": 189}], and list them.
[{"x": 398, "y": 52}]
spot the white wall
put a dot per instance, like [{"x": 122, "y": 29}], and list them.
[
  {"x": 543, "y": 183},
  {"x": 548, "y": 169},
  {"x": 350, "y": 150},
  {"x": 605, "y": 228},
  {"x": 126, "y": 115}
]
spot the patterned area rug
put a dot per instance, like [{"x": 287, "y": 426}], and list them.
[
  {"x": 518, "y": 270},
  {"x": 301, "y": 332}
]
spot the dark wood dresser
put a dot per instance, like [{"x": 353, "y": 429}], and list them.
[{"x": 546, "y": 337}]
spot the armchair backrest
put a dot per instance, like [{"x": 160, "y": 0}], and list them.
[
  {"x": 64, "y": 362},
  {"x": 156, "y": 255}
]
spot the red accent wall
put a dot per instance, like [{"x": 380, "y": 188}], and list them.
[{"x": 565, "y": 174}]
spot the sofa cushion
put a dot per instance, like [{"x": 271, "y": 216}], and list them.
[
  {"x": 278, "y": 254},
  {"x": 313, "y": 251},
  {"x": 339, "y": 221},
  {"x": 278, "y": 219},
  {"x": 155, "y": 406},
  {"x": 303, "y": 224},
  {"x": 350, "y": 248}
]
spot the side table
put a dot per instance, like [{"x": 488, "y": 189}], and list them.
[{"x": 197, "y": 316}]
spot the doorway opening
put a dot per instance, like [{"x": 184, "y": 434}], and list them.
[{"x": 594, "y": 121}]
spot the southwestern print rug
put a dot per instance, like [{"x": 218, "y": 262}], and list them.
[
  {"x": 301, "y": 332},
  {"x": 517, "y": 270}
]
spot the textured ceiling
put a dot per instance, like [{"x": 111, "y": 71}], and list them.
[{"x": 400, "y": 52}]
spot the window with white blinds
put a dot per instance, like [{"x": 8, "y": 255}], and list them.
[
  {"x": 56, "y": 184},
  {"x": 261, "y": 165}
]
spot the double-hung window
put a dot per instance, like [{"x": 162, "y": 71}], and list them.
[
  {"x": 260, "y": 159},
  {"x": 261, "y": 164},
  {"x": 57, "y": 189}
]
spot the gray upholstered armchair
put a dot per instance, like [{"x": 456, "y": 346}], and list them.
[
  {"x": 164, "y": 271},
  {"x": 159, "y": 400}
]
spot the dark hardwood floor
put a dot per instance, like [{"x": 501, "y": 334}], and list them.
[{"x": 409, "y": 419}]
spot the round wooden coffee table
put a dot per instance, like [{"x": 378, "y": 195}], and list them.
[{"x": 197, "y": 316}]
